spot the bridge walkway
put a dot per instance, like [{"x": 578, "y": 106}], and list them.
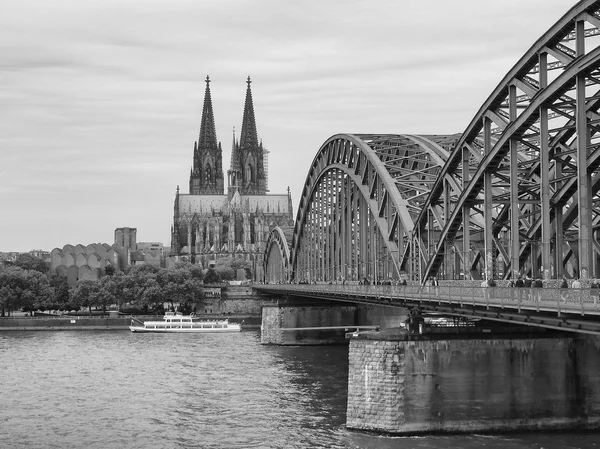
[{"x": 576, "y": 310}]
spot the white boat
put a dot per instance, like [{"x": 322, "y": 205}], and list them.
[{"x": 174, "y": 323}]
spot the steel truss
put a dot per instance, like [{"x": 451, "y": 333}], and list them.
[
  {"x": 527, "y": 165},
  {"x": 515, "y": 194},
  {"x": 359, "y": 202},
  {"x": 277, "y": 259}
]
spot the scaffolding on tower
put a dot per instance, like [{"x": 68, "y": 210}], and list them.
[{"x": 266, "y": 167}]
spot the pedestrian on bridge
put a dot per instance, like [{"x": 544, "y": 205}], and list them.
[
  {"x": 528, "y": 285},
  {"x": 576, "y": 286},
  {"x": 436, "y": 287},
  {"x": 486, "y": 293},
  {"x": 564, "y": 294},
  {"x": 520, "y": 285},
  {"x": 537, "y": 285}
]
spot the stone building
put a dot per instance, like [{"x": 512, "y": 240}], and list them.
[{"x": 209, "y": 223}]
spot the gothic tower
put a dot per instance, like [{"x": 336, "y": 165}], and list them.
[
  {"x": 247, "y": 173},
  {"x": 175, "y": 240},
  {"x": 206, "y": 175}
]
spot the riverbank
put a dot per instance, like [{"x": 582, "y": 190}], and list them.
[{"x": 83, "y": 322}]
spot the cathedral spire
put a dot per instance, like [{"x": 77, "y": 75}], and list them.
[
  {"x": 249, "y": 153},
  {"x": 235, "y": 169},
  {"x": 248, "y": 137},
  {"x": 207, "y": 170},
  {"x": 208, "y": 136}
]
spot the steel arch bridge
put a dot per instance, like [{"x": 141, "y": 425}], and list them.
[{"x": 515, "y": 194}]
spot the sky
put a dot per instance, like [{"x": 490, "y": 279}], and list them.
[{"x": 101, "y": 100}]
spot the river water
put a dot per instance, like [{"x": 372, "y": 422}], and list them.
[{"x": 115, "y": 389}]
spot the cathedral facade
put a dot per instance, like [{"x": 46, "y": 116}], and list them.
[{"x": 209, "y": 222}]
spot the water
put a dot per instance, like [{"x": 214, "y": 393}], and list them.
[{"x": 114, "y": 389}]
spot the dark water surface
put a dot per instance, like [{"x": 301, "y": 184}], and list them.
[{"x": 115, "y": 389}]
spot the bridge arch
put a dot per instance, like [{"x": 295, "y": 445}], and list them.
[
  {"x": 277, "y": 256},
  {"x": 358, "y": 204},
  {"x": 527, "y": 164}
]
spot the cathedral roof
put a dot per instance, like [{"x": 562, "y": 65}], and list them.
[{"x": 208, "y": 204}]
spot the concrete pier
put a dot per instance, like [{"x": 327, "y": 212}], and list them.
[
  {"x": 325, "y": 324},
  {"x": 409, "y": 384},
  {"x": 276, "y": 319}
]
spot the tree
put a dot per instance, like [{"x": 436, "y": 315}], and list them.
[
  {"x": 29, "y": 262},
  {"x": 22, "y": 289},
  {"x": 183, "y": 285},
  {"x": 60, "y": 290},
  {"x": 212, "y": 277},
  {"x": 88, "y": 293},
  {"x": 227, "y": 268}
]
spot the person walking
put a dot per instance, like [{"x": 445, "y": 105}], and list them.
[
  {"x": 529, "y": 292},
  {"x": 538, "y": 284},
  {"x": 484, "y": 287},
  {"x": 564, "y": 294},
  {"x": 436, "y": 287},
  {"x": 520, "y": 286},
  {"x": 576, "y": 286}
]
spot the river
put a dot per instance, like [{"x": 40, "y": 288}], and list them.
[{"x": 115, "y": 389}]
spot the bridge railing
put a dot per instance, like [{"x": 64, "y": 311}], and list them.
[{"x": 583, "y": 301}]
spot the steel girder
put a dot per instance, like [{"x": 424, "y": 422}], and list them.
[
  {"x": 527, "y": 164},
  {"x": 359, "y": 202},
  {"x": 277, "y": 257}
]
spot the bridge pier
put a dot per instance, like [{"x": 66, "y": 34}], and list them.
[
  {"x": 279, "y": 320},
  {"x": 400, "y": 383},
  {"x": 325, "y": 324}
]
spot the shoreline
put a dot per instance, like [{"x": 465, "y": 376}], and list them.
[{"x": 81, "y": 322}]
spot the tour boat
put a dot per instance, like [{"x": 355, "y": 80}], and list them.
[{"x": 173, "y": 323}]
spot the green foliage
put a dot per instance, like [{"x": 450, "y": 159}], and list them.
[
  {"x": 227, "y": 268},
  {"x": 22, "y": 289},
  {"x": 212, "y": 276},
  {"x": 88, "y": 293},
  {"x": 143, "y": 287},
  {"x": 29, "y": 262}
]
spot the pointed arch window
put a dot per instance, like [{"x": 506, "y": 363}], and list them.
[
  {"x": 249, "y": 173},
  {"x": 208, "y": 173}
]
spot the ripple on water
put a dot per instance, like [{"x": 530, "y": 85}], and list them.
[{"x": 120, "y": 390}]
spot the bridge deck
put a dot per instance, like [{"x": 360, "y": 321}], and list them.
[{"x": 575, "y": 310}]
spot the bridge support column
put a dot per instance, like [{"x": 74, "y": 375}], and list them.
[
  {"x": 401, "y": 384},
  {"x": 279, "y": 324}
]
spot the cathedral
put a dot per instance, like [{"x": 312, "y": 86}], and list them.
[{"x": 209, "y": 223}]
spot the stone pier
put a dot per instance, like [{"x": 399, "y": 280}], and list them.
[
  {"x": 279, "y": 317},
  {"x": 406, "y": 384}
]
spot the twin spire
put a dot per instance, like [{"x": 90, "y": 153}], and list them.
[{"x": 246, "y": 173}]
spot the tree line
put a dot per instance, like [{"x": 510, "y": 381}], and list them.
[{"x": 26, "y": 285}]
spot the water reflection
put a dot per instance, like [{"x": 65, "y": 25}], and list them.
[{"x": 112, "y": 389}]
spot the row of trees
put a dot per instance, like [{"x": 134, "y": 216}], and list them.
[{"x": 26, "y": 285}]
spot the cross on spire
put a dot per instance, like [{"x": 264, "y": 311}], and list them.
[
  {"x": 207, "y": 80},
  {"x": 249, "y": 81}
]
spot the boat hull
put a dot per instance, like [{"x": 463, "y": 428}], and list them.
[{"x": 142, "y": 329}]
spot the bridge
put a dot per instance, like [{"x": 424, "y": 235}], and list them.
[
  {"x": 574, "y": 310},
  {"x": 514, "y": 195}
]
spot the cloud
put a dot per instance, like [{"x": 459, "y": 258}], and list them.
[{"x": 101, "y": 100}]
